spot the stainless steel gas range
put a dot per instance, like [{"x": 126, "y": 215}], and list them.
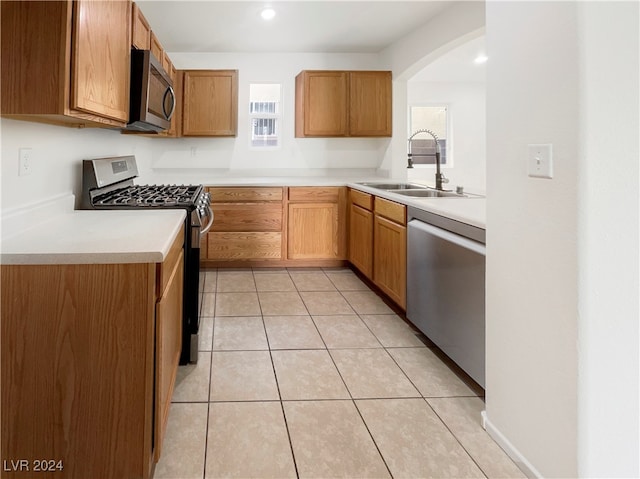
[{"x": 107, "y": 183}]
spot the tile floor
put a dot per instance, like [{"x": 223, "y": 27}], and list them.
[{"x": 308, "y": 373}]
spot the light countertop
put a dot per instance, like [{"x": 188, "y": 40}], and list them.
[
  {"x": 92, "y": 237},
  {"x": 470, "y": 210}
]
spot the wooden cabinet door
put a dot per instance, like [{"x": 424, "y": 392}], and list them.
[
  {"x": 361, "y": 240},
  {"x": 321, "y": 103},
  {"x": 156, "y": 47},
  {"x": 101, "y": 52},
  {"x": 210, "y": 103},
  {"x": 390, "y": 259},
  {"x": 140, "y": 30},
  {"x": 168, "y": 348},
  {"x": 313, "y": 231},
  {"x": 370, "y": 103}
]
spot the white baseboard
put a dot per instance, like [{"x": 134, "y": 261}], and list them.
[{"x": 509, "y": 448}]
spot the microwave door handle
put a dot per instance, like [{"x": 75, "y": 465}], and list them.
[{"x": 169, "y": 90}]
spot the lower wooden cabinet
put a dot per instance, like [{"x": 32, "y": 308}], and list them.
[
  {"x": 316, "y": 223},
  {"x": 361, "y": 240},
  {"x": 248, "y": 224},
  {"x": 378, "y": 243},
  {"x": 277, "y": 226},
  {"x": 168, "y": 345},
  {"x": 88, "y": 361},
  {"x": 390, "y": 259}
]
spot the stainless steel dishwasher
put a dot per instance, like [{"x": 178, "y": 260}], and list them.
[{"x": 446, "y": 287}]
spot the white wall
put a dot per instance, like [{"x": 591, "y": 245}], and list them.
[
  {"x": 454, "y": 26},
  {"x": 57, "y": 154},
  {"x": 608, "y": 241},
  {"x": 304, "y": 154},
  {"x": 562, "y": 254},
  {"x": 467, "y": 117},
  {"x": 58, "y": 151}
]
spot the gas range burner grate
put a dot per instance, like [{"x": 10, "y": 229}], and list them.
[{"x": 149, "y": 196}]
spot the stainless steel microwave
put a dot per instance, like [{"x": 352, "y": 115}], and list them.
[{"x": 152, "y": 99}]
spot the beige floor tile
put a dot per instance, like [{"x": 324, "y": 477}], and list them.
[
  {"x": 367, "y": 302},
  {"x": 337, "y": 269},
  {"x": 237, "y": 304},
  {"x": 208, "y": 304},
  {"x": 347, "y": 281},
  {"x": 371, "y": 373},
  {"x": 183, "y": 448},
  {"x": 192, "y": 381},
  {"x": 308, "y": 375},
  {"x": 462, "y": 417},
  {"x": 413, "y": 440},
  {"x": 345, "y": 331},
  {"x": 235, "y": 282},
  {"x": 269, "y": 270},
  {"x": 430, "y": 375},
  {"x": 325, "y": 303},
  {"x": 392, "y": 331},
  {"x": 242, "y": 376},
  {"x": 248, "y": 440},
  {"x": 205, "y": 340},
  {"x": 208, "y": 284},
  {"x": 274, "y": 282},
  {"x": 312, "y": 281},
  {"x": 330, "y": 440},
  {"x": 281, "y": 304},
  {"x": 292, "y": 332},
  {"x": 239, "y": 333}
]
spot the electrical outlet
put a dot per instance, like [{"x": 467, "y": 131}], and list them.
[
  {"x": 25, "y": 161},
  {"x": 540, "y": 161}
]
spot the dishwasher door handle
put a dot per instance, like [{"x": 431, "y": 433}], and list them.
[{"x": 448, "y": 236}]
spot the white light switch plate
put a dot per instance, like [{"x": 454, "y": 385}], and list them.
[{"x": 540, "y": 161}]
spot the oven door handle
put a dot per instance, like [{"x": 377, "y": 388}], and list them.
[{"x": 209, "y": 223}]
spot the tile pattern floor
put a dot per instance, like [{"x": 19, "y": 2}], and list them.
[{"x": 308, "y": 373}]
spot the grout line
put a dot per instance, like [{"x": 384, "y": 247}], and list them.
[
  {"x": 455, "y": 436},
  {"x": 275, "y": 375}
]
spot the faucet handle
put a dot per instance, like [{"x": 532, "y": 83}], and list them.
[{"x": 445, "y": 179}]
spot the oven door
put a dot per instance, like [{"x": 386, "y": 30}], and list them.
[{"x": 198, "y": 226}]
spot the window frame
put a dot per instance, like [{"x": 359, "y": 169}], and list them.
[
  {"x": 449, "y": 143},
  {"x": 266, "y": 115}
]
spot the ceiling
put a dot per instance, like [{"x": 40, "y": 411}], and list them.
[{"x": 327, "y": 26}]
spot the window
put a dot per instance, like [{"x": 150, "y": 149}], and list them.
[
  {"x": 423, "y": 146},
  {"x": 264, "y": 114}
]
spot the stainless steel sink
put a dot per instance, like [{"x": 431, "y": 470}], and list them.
[
  {"x": 428, "y": 193},
  {"x": 394, "y": 186}
]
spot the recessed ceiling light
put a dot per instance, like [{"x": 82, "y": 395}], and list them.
[
  {"x": 481, "y": 59},
  {"x": 268, "y": 13}
]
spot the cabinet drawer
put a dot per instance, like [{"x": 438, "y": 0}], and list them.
[
  {"x": 247, "y": 217},
  {"x": 238, "y": 195},
  {"x": 328, "y": 194},
  {"x": 251, "y": 245},
  {"x": 364, "y": 200},
  {"x": 389, "y": 209},
  {"x": 165, "y": 268}
]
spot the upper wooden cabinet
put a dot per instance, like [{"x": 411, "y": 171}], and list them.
[
  {"x": 370, "y": 103},
  {"x": 140, "y": 30},
  {"x": 66, "y": 62},
  {"x": 210, "y": 103},
  {"x": 343, "y": 103}
]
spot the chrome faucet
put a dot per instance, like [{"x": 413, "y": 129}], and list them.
[{"x": 440, "y": 178}]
